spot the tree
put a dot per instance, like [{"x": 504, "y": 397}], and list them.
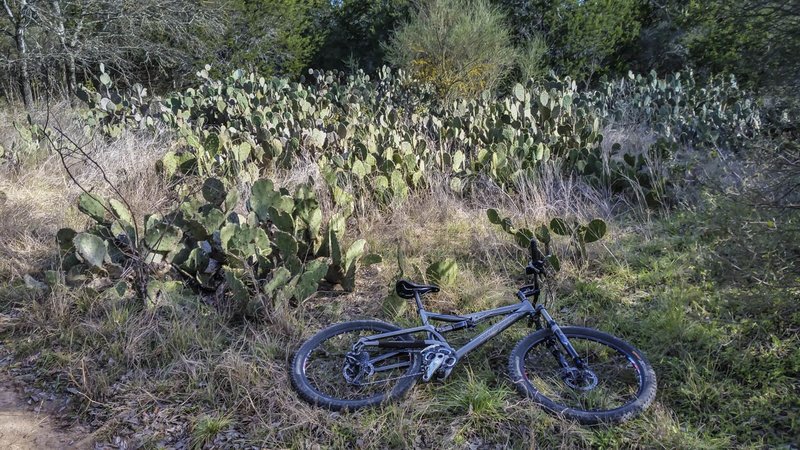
[
  {"x": 526, "y": 18},
  {"x": 461, "y": 47},
  {"x": 586, "y": 35},
  {"x": 660, "y": 45},
  {"x": 357, "y": 31},
  {"x": 20, "y": 15},
  {"x": 156, "y": 42},
  {"x": 584, "y": 38},
  {"x": 273, "y": 36},
  {"x": 532, "y": 59},
  {"x": 757, "y": 40}
]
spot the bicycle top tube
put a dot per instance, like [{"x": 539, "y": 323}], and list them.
[{"x": 514, "y": 313}]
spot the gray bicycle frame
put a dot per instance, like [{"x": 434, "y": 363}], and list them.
[{"x": 514, "y": 312}]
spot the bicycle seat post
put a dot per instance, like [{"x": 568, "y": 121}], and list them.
[
  {"x": 420, "y": 308},
  {"x": 422, "y": 313}
]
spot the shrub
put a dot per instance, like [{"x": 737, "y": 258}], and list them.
[
  {"x": 532, "y": 59},
  {"x": 461, "y": 47},
  {"x": 588, "y": 33}
]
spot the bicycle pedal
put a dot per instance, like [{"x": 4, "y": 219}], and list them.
[{"x": 444, "y": 373}]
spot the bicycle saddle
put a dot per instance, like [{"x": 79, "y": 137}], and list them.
[{"x": 406, "y": 289}]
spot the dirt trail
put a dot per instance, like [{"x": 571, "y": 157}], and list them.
[{"x": 22, "y": 429}]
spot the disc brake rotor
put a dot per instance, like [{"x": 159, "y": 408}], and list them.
[{"x": 579, "y": 379}]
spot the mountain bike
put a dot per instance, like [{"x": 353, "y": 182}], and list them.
[{"x": 578, "y": 373}]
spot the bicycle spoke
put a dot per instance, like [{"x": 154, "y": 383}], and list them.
[
  {"x": 325, "y": 365},
  {"x": 617, "y": 378}
]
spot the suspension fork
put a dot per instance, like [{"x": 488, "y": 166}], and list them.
[{"x": 576, "y": 359}]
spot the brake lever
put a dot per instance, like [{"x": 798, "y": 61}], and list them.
[
  {"x": 530, "y": 269},
  {"x": 538, "y": 267}
]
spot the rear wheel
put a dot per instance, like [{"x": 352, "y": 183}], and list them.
[
  {"x": 326, "y": 372},
  {"x": 617, "y": 384}
]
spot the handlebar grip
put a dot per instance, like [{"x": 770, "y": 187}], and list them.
[{"x": 534, "y": 249}]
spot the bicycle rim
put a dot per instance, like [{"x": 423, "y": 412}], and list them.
[
  {"x": 614, "y": 379},
  {"x": 323, "y": 368}
]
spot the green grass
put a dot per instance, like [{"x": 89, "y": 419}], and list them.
[
  {"x": 206, "y": 429},
  {"x": 710, "y": 298}
]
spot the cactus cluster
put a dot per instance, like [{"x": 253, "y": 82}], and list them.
[
  {"x": 278, "y": 250},
  {"x": 578, "y": 234},
  {"x": 379, "y": 137},
  {"x": 375, "y": 139},
  {"x": 714, "y": 114},
  {"x": 113, "y": 110}
]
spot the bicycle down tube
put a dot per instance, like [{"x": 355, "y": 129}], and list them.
[{"x": 514, "y": 312}]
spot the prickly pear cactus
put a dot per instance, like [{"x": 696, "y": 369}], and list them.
[{"x": 280, "y": 251}]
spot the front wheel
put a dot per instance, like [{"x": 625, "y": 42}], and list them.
[
  {"x": 326, "y": 371},
  {"x": 616, "y": 384}
]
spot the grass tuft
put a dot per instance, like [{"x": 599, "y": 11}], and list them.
[{"x": 206, "y": 429}]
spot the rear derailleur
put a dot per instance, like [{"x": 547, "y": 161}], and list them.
[{"x": 357, "y": 367}]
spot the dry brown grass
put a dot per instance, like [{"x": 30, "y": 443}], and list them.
[
  {"x": 154, "y": 375},
  {"x": 37, "y": 195},
  {"x": 437, "y": 223}
]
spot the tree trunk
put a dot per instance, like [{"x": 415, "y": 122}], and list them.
[
  {"x": 72, "y": 86},
  {"x": 69, "y": 51},
  {"x": 24, "y": 75},
  {"x": 20, "y": 22}
]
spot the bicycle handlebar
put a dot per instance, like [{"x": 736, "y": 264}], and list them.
[{"x": 536, "y": 266}]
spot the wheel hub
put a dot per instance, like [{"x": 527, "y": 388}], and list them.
[
  {"x": 583, "y": 379},
  {"x": 357, "y": 367}
]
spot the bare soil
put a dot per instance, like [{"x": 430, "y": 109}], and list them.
[{"x": 23, "y": 428}]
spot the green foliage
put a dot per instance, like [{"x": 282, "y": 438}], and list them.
[
  {"x": 111, "y": 110},
  {"x": 532, "y": 59},
  {"x": 272, "y": 36},
  {"x": 442, "y": 273},
  {"x": 579, "y": 234},
  {"x": 356, "y": 32},
  {"x": 479, "y": 401},
  {"x": 281, "y": 250},
  {"x": 344, "y": 264},
  {"x": 584, "y": 38},
  {"x": 753, "y": 39},
  {"x": 33, "y": 142},
  {"x": 522, "y": 236},
  {"x": 206, "y": 429},
  {"x": 461, "y": 47},
  {"x": 586, "y": 34},
  {"x": 710, "y": 113},
  {"x": 378, "y": 139}
]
